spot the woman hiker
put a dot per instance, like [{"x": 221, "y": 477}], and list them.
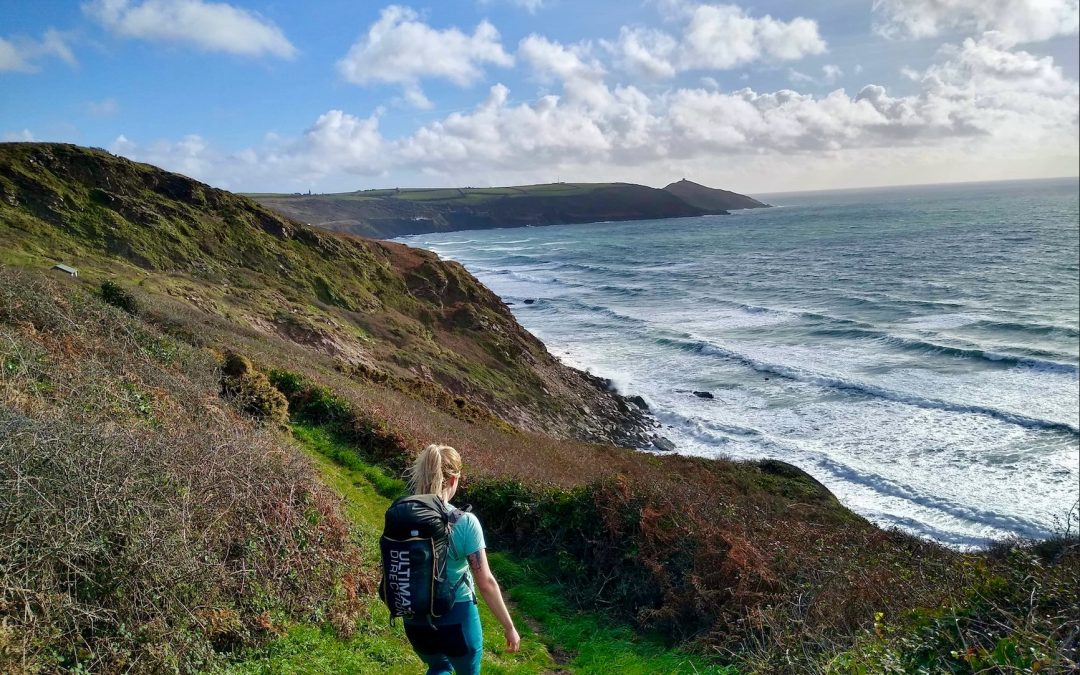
[{"x": 454, "y": 644}]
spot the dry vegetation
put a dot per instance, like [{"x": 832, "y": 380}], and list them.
[{"x": 144, "y": 524}]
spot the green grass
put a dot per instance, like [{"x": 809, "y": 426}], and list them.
[
  {"x": 585, "y": 642},
  {"x": 374, "y": 479},
  {"x": 377, "y": 645},
  {"x": 598, "y": 644}
]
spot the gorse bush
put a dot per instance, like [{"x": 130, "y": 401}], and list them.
[
  {"x": 117, "y": 296},
  {"x": 588, "y": 534},
  {"x": 1018, "y": 614},
  {"x": 287, "y": 382},
  {"x": 252, "y": 391},
  {"x": 145, "y": 526}
]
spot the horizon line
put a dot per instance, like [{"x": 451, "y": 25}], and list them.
[{"x": 913, "y": 185}]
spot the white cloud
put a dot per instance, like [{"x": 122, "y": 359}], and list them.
[
  {"x": 713, "y": 37},
  {"x": 983, "y": 99},
  {"x": 799, "y": 77},
  {"x": 191, "y": 155},
  {"x": 401, "y": 49},
  {"x": 830, "y": 73},
  {"x": 581, "y": 75},
  {"x": 983, "y": 93},
  {"x": 644, "y": 51},
  {"x": 988, "y": 67},
  {"x": 11, "y": 58},
  {"x": 1022, "y": 20},
  {"x": 530, "y": 6},
  {"x": 337, "y": 143},
  {"x": 725, "y": 36},
  {"x": 54, "y": 43},
  {"x": 21, "y": 54},
  {"x": 210, "y": 26},
  {"x": 338, "y": 140},
  {"x": 18, "y": 136},
  {"x": 104, "y": 108}
]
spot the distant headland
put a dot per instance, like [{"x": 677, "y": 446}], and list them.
[{"x": 385, "y": 214}]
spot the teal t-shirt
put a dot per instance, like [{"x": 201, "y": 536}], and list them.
[{"x": 466, "y": 538}]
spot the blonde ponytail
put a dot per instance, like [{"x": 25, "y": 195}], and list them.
[{"x": 432, "y": 467}]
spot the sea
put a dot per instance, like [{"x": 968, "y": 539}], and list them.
[{"x": 916, "y": 349}]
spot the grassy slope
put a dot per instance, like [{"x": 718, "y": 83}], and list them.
[
  {"x": 397, "y": 315},
  {"x": 585, "y": 641}
]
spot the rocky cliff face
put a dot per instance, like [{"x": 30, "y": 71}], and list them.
[{"x": 389, "y": 314}]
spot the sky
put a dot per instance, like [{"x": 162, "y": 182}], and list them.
[{"x": 761, "y": 96}]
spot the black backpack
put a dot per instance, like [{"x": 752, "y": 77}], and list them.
[{"x": 414, "y": 546}]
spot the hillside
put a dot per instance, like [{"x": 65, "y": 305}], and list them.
[
  {"x": 386, "y": 312},
  {"x": 391, "y": 213},
  {"x": 198, "y": 435},
  {"x": 711, "y": 199}
]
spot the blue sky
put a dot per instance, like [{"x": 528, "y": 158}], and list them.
[{"x": 757, "y": 96}]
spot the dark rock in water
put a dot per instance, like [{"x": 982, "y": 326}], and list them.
[
  {"x": 638, "y": 401},
  {"x": 704, "y": 394},
  {"x": 663, "y": 444},
  {"x": 607, "y": 384},
  {"x": 529, "y": 301}
]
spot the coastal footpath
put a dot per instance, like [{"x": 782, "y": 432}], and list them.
[{"x": 204, "y": 412}]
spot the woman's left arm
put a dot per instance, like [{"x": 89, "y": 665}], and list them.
[{"x": 489, "y": 588}]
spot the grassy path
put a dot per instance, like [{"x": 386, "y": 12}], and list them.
[{"x": 554, "y": 639}]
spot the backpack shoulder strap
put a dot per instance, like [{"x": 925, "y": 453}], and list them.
[{"x": 455, "y": 514}]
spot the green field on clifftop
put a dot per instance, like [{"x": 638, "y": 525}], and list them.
[{"x": 472, "y": 194}]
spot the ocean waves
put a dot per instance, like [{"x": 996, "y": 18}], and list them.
[
  {"x": 939, "y": 515},
  {"x": 1036, "y": 359},
  {"x": 927, "y": 371},
  {"x": 801, "y": 374}
]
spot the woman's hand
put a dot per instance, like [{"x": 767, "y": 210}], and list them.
[{"x": 513, "y": 640}]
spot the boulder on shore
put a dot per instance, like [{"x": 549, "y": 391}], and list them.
[
  {"x": 663, "y": 444},
  {"x": 638, "y": 401}
]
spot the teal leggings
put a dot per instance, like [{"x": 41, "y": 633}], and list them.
[{"x": 453, "y": 645}]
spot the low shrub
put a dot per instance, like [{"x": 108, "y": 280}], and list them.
[
  {"x": 317, "y": 405},
  {"x": 117, "y": 296},
  {"x": 287, "y": 382},
  {"x": 1019, "y": 613},
  {"x": 251, "y": 391},
  {"x": 624, "y": 546}
]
